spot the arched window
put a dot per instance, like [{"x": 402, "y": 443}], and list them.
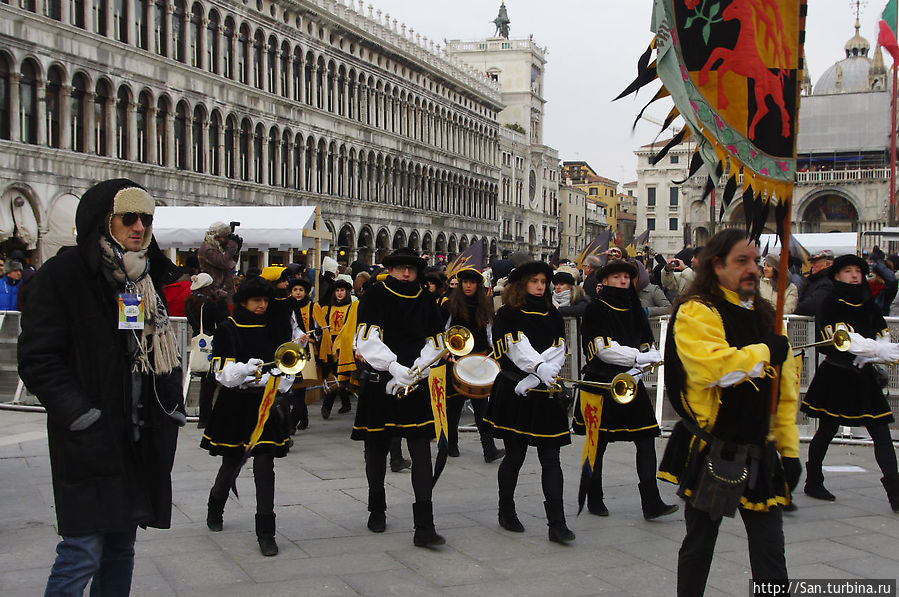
[
  {"x": 53, "y": 107},
  {"x": 230, "y": 132},
  {"x": 143, "y": 126},
  {"x": 162, "y": 121},
  {"x": 297, "y": 160},
  {"x": 228, "y": 54},
  {"x": 285, "y": 158},
  {"x": 5, "y": 116},
  {"x": 297, "y": 73},
  {"x": 181, "y": 118},
  {"x": 258, "y": 140},
  {"x": 271, "y": 85},
  {"x": 212, "y": 144},
  {"x": 28, "y": 103},
  {"x": 245, "y": 138},
  {"x": 243, "y": 55},
  {"x": 78, "y": 112},
  {"x": 140, "y": 24},
  {"x": 212, "y": 43},
  {"x": 78, "y": 13},
  {"x": 197, "y": 138},
  {"x": 258, "y": 57},
  {"x": 123, "y": 100},
  {"x": 309, "y": 70},
  {"x": 320, "y": 83},
  {"x": 330, "y": 89},
  {"x": 160, "y": 33},
  {"x": 98, "y": 16},
  {"x": 196, "y": 24},
  {"x": 272, "y": 166},
  {"x": 178, "y": 31},
  {"x": 284, "y": 72},
  {"x": 120, "y": 20}
]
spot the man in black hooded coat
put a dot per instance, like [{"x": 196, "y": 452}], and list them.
[{"x": 113, "y": 396}]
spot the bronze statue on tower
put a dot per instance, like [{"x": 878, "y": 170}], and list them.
[{"x": 502, "y": 22}]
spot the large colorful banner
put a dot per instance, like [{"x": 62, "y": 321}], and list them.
[{"x": 733, "y": 69}]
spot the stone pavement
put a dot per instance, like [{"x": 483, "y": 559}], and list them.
[{"x": 327, "y": 550}]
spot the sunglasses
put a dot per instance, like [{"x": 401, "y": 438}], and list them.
[{"x": 130, "y": 218}]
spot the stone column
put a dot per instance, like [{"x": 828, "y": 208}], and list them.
[
  {"x": 110, "y": 24},
  {"x": 334, "y": 104},
  {"x": 220, "y": 149},
  {"x": 167, "y": 40},
  {"x": 201, "y": 44},
  {"x": 90, "y": 144},
  {"x": 40, "y": 90},
  {"x": 131, "y": 130},
  {"x": 300, "y": 182},
  {"x": 65, "y": 114},
  {"x": 151, "y": 135},
  {"x": 264, "y": 159},
  {"x": 170, "y": 140},
  {"x": 188, "y": 142},
  {"x": 302, "y": 81},
  {"x": 234, "y": 50}
]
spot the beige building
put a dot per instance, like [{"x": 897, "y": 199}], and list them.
[
  {"x": 574, "y": 236},
  {"x": 308, "y": 102}
]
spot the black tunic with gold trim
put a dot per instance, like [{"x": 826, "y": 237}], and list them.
[
  {"x": 841, "y": 391},
  {"x": 718, "y": 372},
  {"x": 615, "y": 323},
  {"x": 538, "y": 418},
  {"x": 239, "y": 338},
  {"x": 400, "y": 320}
]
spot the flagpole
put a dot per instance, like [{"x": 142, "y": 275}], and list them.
[{"x": 892, "y": 214}]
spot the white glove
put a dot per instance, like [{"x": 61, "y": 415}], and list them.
[
  {"x": 251, "y": 366},
  {"x": 547, "y": 372},
  {"x": 401, "y": 374},
  {"x": 250, "y": 381},
  {"x": 285, "y": 383},
  {"x": 861, "y": 361},
  {"x": 394, "y": 387},
  {"x": 650, "y": 356},
  {"x": 528, "y": 383},
  {"x": 864, "y": 347},
  {"x": 636, "y": 373},
  {"x": 302, "y": 339}
]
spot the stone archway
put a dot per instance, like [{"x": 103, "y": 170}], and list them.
[
  {"x": 414, "y": 240},
  {"x": 345, "y": 244},
  {"x": 829, "y": 212},
  {"x": 382, "y": 245},
  {"x": 366, "y": 246},
  {"x": 399, "y": 238}
]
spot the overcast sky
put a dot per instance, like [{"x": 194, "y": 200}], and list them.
[{"x": 593, "y": 46}]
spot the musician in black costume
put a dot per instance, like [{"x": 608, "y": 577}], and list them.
[
  {"x": 242, "y": 344},
  {"x": 302, "y": 324},
  {"x": 528, "y": 340},
  {"x": 398, "y": 330},
  {"x": 845, "y": 389},
  {"x": 469, "y": 306},
  {"x": 617, "y": 339},
  {"x": 719, "y": 362}
]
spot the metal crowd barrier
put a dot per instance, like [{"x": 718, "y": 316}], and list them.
[{"x": 801, "y": 330}]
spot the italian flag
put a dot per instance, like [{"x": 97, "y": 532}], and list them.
[{"x": 887, "y": 35}]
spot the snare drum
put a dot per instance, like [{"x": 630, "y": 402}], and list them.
[
  {"x": 473, "y": 375},
  {"x": 311, "y": 373}
]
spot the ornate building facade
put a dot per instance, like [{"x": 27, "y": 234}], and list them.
[{"x": 210, "y": 102}]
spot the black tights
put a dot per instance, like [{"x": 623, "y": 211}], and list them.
[
  {"x": 884, "y": 453},
  {"x": 376, "y": 449},
  {"x": 263, "y": 475},
  {"x": 551, "y": 469}
]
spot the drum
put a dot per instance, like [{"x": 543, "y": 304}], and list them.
[
  {"x": 473, "y": 375},
  {"x": 311, "y": 373}
]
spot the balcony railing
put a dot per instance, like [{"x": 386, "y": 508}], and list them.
[{"x": 821, "y": 176}]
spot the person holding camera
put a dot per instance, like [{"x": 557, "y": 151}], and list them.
[{"x": 218, "y": 256}]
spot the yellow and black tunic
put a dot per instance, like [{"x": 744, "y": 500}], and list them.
[
  {"x": 523, "y": 339},
  {"x": 841, "y": 391},
  {"x": 396, "y": 322},
  {"x": 239, "y": 338},
  {"x": 333, "y": 318},
  {"x": 718, "y": 374},
  {"x": 615, "y": 329}
]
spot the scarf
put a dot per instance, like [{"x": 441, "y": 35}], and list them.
[
  {"x": 535, "y": 304},
  {"x": 561, "y": 299},
  {"x": 131, "y": 271},
  {"x": 854, "y": 294}
]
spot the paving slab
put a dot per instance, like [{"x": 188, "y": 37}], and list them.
[{"x": 326, "y": 549}]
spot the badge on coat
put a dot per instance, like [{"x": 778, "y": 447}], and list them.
[{"x": 131, "y": 311}]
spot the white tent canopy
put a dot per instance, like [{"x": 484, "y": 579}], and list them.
[
  {"x": 841, "y": 243},
  {"x": 261, "y": 227}
]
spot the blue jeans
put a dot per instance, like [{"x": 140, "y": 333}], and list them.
[{"x": 107, "y": 558}]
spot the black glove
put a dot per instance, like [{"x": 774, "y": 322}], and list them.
[
  {"x": 778, "y": 346},
  {"x": 792, "y": 471}
]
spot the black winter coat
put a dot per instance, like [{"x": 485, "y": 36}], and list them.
[
  {"x": 73, "y": 358},
  {"x": 818, "y": 287}
]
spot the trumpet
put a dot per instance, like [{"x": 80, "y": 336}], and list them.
[
  {"x": 839, "y": 340},
  {"x": 290, "y": 358},
  {"x": 623, "y": 387},
  {"x": 458, "y": 341}
]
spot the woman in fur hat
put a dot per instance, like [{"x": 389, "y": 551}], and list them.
[
  {"x": 528, "y": 342},
  {"x": 845, "y": 389},
  {"x": 568, "y": 297},
  {"x": 244, "y": 343},
  {"x": 204, "y": 310},
  {"x": 617, "y": 339},
  {"x": 469, "y": 306}
]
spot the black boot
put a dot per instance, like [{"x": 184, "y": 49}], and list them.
[
  {"x": 555, "y": 520},
  {"x": 814, "y": 482},
  {"x": 653, "y": 506},
  {"x": 491, "y": 452},
  {"x": 377, "y": 506},
  {"x": 508, "y": 517},
  {"x": 425, "y": 535},
  {"x": 595, "y": 505},
  {"x": 891, "y": 484},
  {"x": 327, "y": 403},
  {"x": 215, "y": 509},
  {"x": 453, "y": 450},
  {"x": 345, "y": 404},
  {"x": 265, "y": 534}
]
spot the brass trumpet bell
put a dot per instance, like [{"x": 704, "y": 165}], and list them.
[
  {"x": 623, "y": 387},
  {"x": 840, "y": 340},
  {"x": 458, "y": 341},
  {"x": 290, "y": 358}
]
